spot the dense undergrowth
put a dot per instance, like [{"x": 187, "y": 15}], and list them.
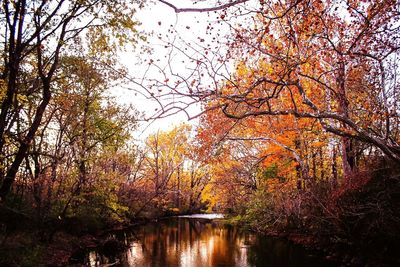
[{"x": 356, "y": 222}]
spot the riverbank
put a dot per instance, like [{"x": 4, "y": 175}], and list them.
[
  {"x": 31, "y": 245},
  {"x": 27, "y": 248},
  {"x": 355, "y": 224},
  {"x": 338, "y": 253},
  {"x": 343, "y": 253},
  {"x": 27, "y": 243}
]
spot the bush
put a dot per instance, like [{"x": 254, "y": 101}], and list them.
[
  {"x": 370, "y": 215},
  {"x": 361, "y": 216}
]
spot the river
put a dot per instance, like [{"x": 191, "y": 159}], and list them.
[{"x": 201, "y": 241}]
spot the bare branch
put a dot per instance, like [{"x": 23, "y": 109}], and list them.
[{"x": 202, "y": 10}]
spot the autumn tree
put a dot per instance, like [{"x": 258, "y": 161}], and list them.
[
  {"x": 36, "y": 35},
  {"x": 327, "y": 62},
  {"x": 82, "y": 127},
  {"x": 93, "y": 124},
  {"x": 169, "y": 174}
]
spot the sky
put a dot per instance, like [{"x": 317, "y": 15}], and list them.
[{"x": 161, "y": 20}]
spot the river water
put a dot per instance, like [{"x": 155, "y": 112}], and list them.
[{"x": 198, "y": 241}]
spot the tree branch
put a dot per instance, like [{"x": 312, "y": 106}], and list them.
[{"x": 201, "y": 10}]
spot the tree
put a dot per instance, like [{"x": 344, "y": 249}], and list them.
[
  {"x": 93, "y": 124},
  {"x": 313, "y": 60},
  {"x": 36, "y": 35}
]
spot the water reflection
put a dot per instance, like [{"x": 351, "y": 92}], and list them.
[{"x": 199, "y": 242}]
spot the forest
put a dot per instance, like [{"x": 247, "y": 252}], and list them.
[{"x": 295, "y": 133}]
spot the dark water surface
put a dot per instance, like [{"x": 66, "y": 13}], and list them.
[{"x": 200, "y": 242}]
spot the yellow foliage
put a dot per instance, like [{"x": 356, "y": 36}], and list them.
[{"x": 3, "y": 89}]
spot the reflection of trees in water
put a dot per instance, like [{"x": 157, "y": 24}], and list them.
[
  {"x": 195, "y": 242},
  {"x": 200, "y": 242}
]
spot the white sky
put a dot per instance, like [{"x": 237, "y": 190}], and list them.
[{"x": 158, "y": 18}]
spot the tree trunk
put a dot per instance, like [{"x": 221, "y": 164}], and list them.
[
  {"x": 25, "y": 144},
  {"x": 347, "y": 144}
]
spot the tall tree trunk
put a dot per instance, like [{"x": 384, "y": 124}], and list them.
[
  {"x": 298, "y": 168},
  {"x": 178, "y": 197},
  {"x": 12, "y": 67},
  {"x": 25, "y": 144},
  {"x": 321, "y": 162},
  {"x": 348, "y": 158},
  {"x": 334, "y": 167}
]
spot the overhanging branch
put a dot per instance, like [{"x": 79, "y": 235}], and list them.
[{"x": 201, "y": 10}]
